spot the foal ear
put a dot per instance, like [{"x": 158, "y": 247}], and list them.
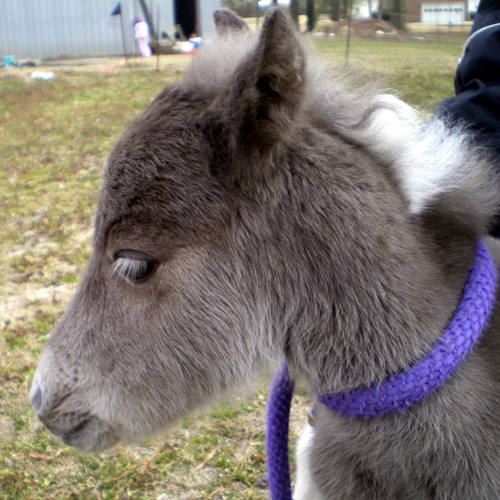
[
  {"x": 227, "y": 21},
  {"x": 269, "y": 88}
]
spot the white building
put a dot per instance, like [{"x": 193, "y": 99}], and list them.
[
  {"x": 43, "y": 29},
  {"x": 442, "y": 12},
  {"x": 472, "y": 5}
]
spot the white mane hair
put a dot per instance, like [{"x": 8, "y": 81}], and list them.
[
  {"x": 214, "y": 66},
  {"x": 428, "y": 158}
]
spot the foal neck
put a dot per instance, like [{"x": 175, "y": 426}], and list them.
[{"x": 394, "y": 282}]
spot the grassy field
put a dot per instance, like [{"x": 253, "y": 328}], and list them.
[{"x": 54, "y": 138}]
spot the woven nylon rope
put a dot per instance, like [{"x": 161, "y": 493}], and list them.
[
  {"x": 403, "y": 390},
  {"x": 278, "y": 417},
  {"x": 400, "y": 391}
]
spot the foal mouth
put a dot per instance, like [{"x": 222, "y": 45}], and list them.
[
  {"x": 77, "y": 429},
  {"x": 89, "y": 434}
]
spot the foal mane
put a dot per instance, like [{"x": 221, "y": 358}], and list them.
[{"x": 438, "y": 167}]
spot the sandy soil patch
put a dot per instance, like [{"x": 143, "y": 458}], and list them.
[{"x": 171, "y": 63}]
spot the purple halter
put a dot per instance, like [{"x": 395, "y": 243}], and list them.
[{"x": 400, "y": 391}]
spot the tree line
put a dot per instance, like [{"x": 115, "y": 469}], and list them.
[{"x": 389, "y": 10}]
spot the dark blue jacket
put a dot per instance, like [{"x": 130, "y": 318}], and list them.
[
  {"x": 477, "y": 100},
  {"x": 477, "y": 85}
]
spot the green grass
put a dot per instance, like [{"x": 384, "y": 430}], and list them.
[
  {"x": 54, "y": 139},
  {"x": 420, "y": 73}
]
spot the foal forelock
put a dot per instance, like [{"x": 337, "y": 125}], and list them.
[{"x": 214, "y": 66}]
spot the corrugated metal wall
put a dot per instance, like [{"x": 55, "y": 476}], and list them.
[
  {"x": 205, "y": 11},
  {"x": 43, "y": 29}
]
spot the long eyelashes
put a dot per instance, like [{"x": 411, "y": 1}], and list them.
[{"x": 134, "y": 267}]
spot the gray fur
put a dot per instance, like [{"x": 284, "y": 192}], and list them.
[{"x": 282, "y": 220}]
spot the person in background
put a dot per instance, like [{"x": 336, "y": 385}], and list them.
[
  {"x": 477, "y": 85},
  {"x": 141, "y": 30}
]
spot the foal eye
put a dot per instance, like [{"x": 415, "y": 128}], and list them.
[{"x": 135, "y": 267}]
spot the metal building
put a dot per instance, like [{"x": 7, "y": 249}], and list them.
[
  {"x": 442, "y": 13},
  {"x": 45, "y": 29}
]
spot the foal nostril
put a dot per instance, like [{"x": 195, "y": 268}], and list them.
[
  {"x": 36, "y": 396},
  {"x": 36, "y": 399}
]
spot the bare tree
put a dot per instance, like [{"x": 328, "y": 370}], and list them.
[
  {"x": 345, "y": 9},
  {"x": 334, "y": 10},
  {"x": 398, "y": 17},
  {"x": 311, "y": 15},
  {"x": 294, "y": 12}
]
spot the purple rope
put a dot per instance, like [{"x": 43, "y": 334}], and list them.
[
  {"x": 403, "y": 390},
  {"x": 278, "y": 417},
  {"x": 400, "y": 391}
]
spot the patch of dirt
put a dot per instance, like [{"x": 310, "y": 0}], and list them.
[
  {"x": 14, "y": 307},
  {"x": 170, "y": 63}
]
